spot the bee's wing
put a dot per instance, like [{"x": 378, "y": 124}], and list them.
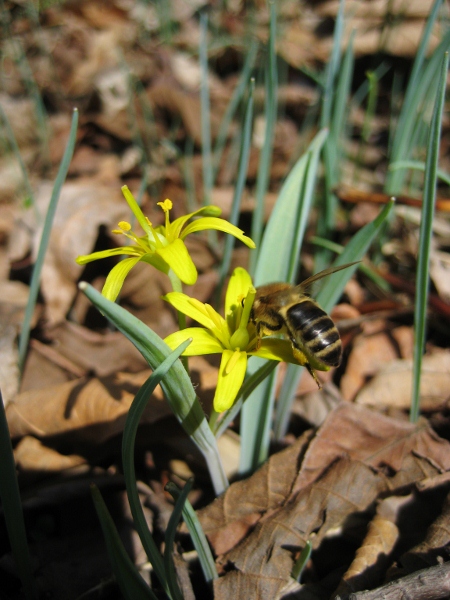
[{"x": 305, "y": 285}]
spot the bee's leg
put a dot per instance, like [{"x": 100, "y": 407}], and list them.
[
  {"x": 314, "y": 376},
  {"x": 303, "y": 360}
]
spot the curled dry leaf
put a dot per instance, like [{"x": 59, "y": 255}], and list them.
[
  {"x": 101, "y": 354},
  {"x": 32, "y": 455},
  {"x": 368, "y": 567},
  {"x": 82, "y": 208},
  {"x": 392, "y": 385},
  {"x": 371, "y": 351},
  {"x": 93, "y": 410},
  {"x": 312, "y": 488}
]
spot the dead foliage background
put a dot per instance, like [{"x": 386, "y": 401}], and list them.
[{"x": 367, "y": 488}]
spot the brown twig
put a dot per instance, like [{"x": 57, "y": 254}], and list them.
[
  {"x": 427, "y": 584},
  {"x": 353, "y": 195}
]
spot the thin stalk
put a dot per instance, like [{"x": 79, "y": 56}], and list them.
[
  {"x": 301, "y": 562},
  {"x": 262, "y": 181},
  {"x": 128, "y": 442},
  {"x": 238, "y": 190},
  {"x": 236, "y": 98},
  {"x": 197, "y": 535},
  {"x": 419, "y": 81},
  {"x": 131, "y": 584},
  {"x": 426, "y": 227},
  {"x": 45, "y": 238},
  {"x": 205, "y": 112},
  {"x": 169, "y": 540}
]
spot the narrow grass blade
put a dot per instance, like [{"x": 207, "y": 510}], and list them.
[
  {"x": 197, "y": 535},
  {"x": 12, "y": 509},
  {"x": 331, "y": 157},
  {"x": 238, "y": 190},
  {"x": 236, "y": 98},
  {"x": 177, "y": 386},
  {"x": 422, "y": 77},
  {"x": 416, "y": 165},
  {"x": 270, "y": 112},
  {"x": 131, "y": 584},
  {"x": 301, "y": 562},
  {"x": 170, "y": 539},
  {"x": 35, "y": 279},
  {"x": 205, "y": 112},
  {"x": 128, "y": 441},
  {"x": 332, "y": 68},
  {"x": 426, "y": 226}
]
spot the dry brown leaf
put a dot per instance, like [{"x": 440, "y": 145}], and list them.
[
  {"x": 392, "y": 385},
  {"x": 368, "y": 566},
  {"x": 101, "y": 354},
  {"x": 355, "y": 455},
  {"x": 82, "y": 207},
  {"x": 92, "y": 410},
  {"x": 180, "y": 104},
  {"x": 394, "y": 27},
  {"x": 370, "y": 351},
  {"x": 299, "y": 46},
  {"x": 229, "y": 518},
  {"x": 31, "y": 455}
]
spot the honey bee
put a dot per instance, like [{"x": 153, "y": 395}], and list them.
[{"x": 285, "y": 308}]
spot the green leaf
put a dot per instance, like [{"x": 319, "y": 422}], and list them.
[
  {"x": 197, "y": 535},
  {"x": 131, "y": 584},
  {"x": 45, "y": 238},
  {"x": 177, "y": 386},
  {"x": 129, "y": 437},
  {"x": 170, "y": 538},
  {"x": 426, "y": 228}
]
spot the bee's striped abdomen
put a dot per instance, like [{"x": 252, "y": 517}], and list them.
[{"x": 316, "y": 331}]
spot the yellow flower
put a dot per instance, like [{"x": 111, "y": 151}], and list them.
[
  {"x": 162, "y": 246},
  {"x": 233, "y": 336}
]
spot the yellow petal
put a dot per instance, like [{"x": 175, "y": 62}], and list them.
[
  {"x": 240, "y": 282},
  {"x": 177, "y": 257},
  {"x": 130, "y": 250},
  {"x": 116, "y": 277},
  {"x": 136, "y": 210},
  {"x": 203, "y": 342},
  {"x": 176, "y": 227},
  {"x": 193, "y": 308},
  {"x": 219, "y": 225},
  {"x": 229, "y": 384}
]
